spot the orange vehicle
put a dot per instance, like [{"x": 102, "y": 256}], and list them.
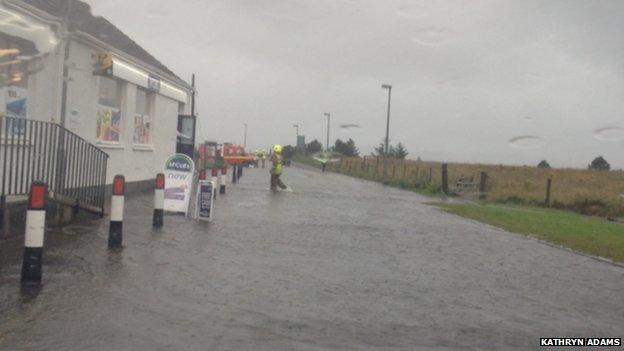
[{"x": 235, "y": 155}]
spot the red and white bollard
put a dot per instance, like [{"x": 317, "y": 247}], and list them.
[
  {"x": 115, "y": 229},
  {"x": 35, "y": 226},
  {"x": 159, "y": 200},
  {"x": 223, "y": 179},
  {"x": 215, "y": 180}
]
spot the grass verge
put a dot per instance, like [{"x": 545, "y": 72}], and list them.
[{"x": 590, "y": 235}]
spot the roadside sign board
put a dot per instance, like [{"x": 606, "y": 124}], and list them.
[
  {"x": 179, "y": 170},
  {"x": 205, "y": 200}
]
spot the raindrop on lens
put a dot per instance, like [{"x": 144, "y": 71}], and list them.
[
  {"x": 527, "y": 142},
  {"x": 609, "y": 133}
]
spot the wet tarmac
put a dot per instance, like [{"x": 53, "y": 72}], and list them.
[{"x": 338, "y": 264}]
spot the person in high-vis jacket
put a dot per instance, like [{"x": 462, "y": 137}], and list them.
[
  {"x": 276, "y": 169},
  {"x": 263, "y": 157}
]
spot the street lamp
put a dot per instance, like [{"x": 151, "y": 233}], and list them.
[
  {"x": 327, "y": 114},
  {"x": 385, "y": 164},
  {"x": 297, "y": 127},
  {"x": 245, "y": 140}
]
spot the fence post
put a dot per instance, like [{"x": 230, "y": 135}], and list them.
[
  {"x": 548, "y": 185},
  {"x": 4, "y": 225},
  {"x": 430, "y": 175},
  {"x": 393, "y": 169},
  {"x": 445, "y": 178},
  {"x": 404, "y": 168},
  {"x": 483, "y": 182}
]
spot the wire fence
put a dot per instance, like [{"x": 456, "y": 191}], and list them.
[{"x": 584, "y": 191}]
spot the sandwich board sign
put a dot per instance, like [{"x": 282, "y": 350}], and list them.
[
  {"x": 179, "y": 170},
  {"x": 205, "y": 200}
]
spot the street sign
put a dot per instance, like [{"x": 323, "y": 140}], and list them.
[
  {"x": 205, "y": 200},
  {"x": 179, "y": 170}
]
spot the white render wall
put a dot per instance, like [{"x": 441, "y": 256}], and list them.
[{"x": 134, "y": 162}]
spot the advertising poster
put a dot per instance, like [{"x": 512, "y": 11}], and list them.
[
  {"x": 205, "y": 200},
  {"x": 16, "y": 107},
  {"x": 108, "y": 124},
  {"x": 179, "y": 170}
]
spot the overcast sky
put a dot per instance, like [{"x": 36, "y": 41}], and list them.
[{"x": 502, "y": 81}]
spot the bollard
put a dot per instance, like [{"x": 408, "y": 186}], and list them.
[
  {"x": 234, "y": 175},
  {"x": 115, "y": 229},
  {"x": 33, "y": 240},
  {"x": 222, "y": 180},
  {"x": 215, "y": 180},
  {"x": 159, "y": 200}
]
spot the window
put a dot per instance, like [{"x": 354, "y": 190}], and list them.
[
  {"x": 109, "y": 111},
  {"x": 143, "y": 112}
]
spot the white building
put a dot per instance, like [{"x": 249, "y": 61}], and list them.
[{"x": 116, "y": 95}]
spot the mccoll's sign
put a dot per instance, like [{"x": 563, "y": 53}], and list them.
[{"x": 180, "y": 163}]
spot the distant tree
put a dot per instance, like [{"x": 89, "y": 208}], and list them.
[
  {"x": 399, "y": 151},
  {"x": 599, "y": 164},
  {"x": 543, "y": 164},
  {"x": 313, "y": 147},
  {"x": 346, "y": 148},
  {"x": 288, "y": 151},
  {"x": 379, "y": 150}
]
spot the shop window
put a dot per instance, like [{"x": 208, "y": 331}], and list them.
[
  {"x": 142, "y": 117},
  {"x": 109, "y": 111}
]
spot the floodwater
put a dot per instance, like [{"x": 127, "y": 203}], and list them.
[{"x": 338, "y": 264}]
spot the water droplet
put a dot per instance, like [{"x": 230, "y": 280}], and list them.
[
  {"x": 350, "y": 125},
  {"x": 609, "y": 133},
  {"x": 527, "y": 142},
  {"x": 433, "y": 36}
]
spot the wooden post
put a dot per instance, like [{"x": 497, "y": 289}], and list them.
[
  {"x": 483, "y": 182},
  {"x": 445, "y": 188},
  {"x": 393, "y": 169},
  {"x": 404, "y": 168},
  {"x": 430, "y": 175},
  {"x": 548, "y": 185},
  {"x": 377, "y": 166}
]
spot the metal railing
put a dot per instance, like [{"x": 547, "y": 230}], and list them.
[{"x": 73, "y": 168}]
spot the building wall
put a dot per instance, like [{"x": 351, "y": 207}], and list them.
[{"x": 134, "y": 162}]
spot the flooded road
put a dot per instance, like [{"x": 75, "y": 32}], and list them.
[{"x": 337, "y": 264}]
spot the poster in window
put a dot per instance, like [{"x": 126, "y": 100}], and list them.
[
  {"x": 16, "y": 108},
  {"x": 108, "y": 124},
  {"x": 141, "y": 129}
]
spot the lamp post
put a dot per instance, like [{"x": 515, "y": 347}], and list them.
[
  {"x": 385, "y": 164},
  {"x": 297, "y": 142},
  {"x": 327, "y": 144},
  {"x": 245, "y": 139}
]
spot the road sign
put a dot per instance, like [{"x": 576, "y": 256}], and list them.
[
  {"x": 205, "y": 200},
  {"x": 179, "y": 170}
]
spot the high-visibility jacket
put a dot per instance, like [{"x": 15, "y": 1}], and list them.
[{"x": 277, "y": 164}]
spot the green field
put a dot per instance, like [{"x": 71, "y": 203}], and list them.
[{"x": 590, "y": 235}]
